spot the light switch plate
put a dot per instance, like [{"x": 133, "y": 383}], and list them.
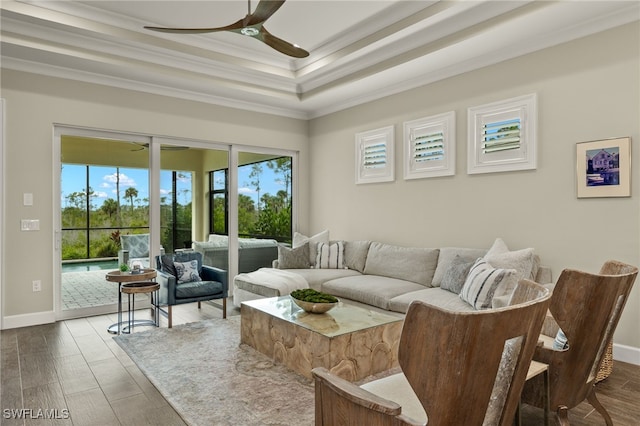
[
  {"x": 27, "y": 199},
  {"x": 30, "y": 225}
]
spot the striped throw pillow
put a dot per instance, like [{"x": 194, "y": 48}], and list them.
[
  {"x": 484, "y": 281},
  {"x": 330, "y": 256}
]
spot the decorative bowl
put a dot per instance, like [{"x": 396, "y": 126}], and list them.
[
  {"x": 315, "y": 303},
  {"x": 314, "y": 307}
]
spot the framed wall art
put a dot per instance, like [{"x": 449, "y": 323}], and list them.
[{"x": 603, "y": 168}]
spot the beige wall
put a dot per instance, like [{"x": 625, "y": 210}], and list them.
[
  {"x": 34, "y": 103},
  {"x": 587, "y": 90}
]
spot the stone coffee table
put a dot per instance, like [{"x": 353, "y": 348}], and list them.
[{"x": 349, "y": 341}]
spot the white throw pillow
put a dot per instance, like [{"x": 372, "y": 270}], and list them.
[
  {"x": 321, "y": 237},
  {"x": 330, "y": 256},
  {"x": 187, "y": 271},
  {"x": 524, "y": 261},
  {"x": 484, "y": 281}
]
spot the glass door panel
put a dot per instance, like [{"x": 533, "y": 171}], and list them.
[
  {"x": 186, "y": 197},
  {"x": 104, "y": 194},
  {"x": 265, "y": 205}
]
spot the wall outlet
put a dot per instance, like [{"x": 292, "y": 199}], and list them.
[{"x": 37, "y": 285}]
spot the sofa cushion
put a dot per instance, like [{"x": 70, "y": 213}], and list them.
[
  {"x": 456, "y": 275},
  {"x": 217, "y": 240},
  {"x": 293, "y": 258},
  {"x": 370, "y": 289},
  {"x": 484, "y": 281},
  {"x": 299, "y": 239},
  {"x": 316, "y": 277},
  {"x": 355, "y": 254},
  {"x": 524, "y": 261},
  {"x": 198, "y": 289},
  {"x": 404, "y": 263},
  {"x": 434, "y": 296},
  {"x": 446, "y": 256},
  {"x": 330, "y": 256}
]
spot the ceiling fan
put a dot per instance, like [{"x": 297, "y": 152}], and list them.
[
  {"x": 251, "y": 25},
  {"x": 142, "y": 146}
]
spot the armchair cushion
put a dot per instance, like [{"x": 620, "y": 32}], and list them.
[
  {"x": 198, "y": 289},
  {"x": 166, "y": 265},
  {"x": 137, "y": 244}
]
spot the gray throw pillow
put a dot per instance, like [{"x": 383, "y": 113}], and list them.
[
  {"x": 454, "y": 277},
  {"x": 293, "y": 258},
  {"x": 166, "y": 262},
  {"x": 355, "y": 254}
]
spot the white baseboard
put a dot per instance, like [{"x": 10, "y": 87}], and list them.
[
  {"x": 27, "y": 320},
  {"x": 626, "y": 353}
]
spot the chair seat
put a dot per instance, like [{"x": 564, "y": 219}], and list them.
[
  {"x": 396, "y": 388},
  {"x": 198, "y": 289}
]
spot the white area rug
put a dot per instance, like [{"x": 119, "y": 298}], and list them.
[{"x": 211, "y": 379}]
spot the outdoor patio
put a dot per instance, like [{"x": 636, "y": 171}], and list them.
[{"x": 87, "y": 289}]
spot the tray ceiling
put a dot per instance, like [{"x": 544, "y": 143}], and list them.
[{"x": 359, "y": 50}]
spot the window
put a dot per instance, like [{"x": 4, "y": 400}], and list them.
[
  {"x": 264, "y": 198},
  {"x": 218, "y": 196},
  {"x": 374, "y": 156},
  {"x": 430, "y": 146},
  {"x": 502, "y": 136}
]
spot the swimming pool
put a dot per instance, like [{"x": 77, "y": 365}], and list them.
[{"x": 89, "y": 265}]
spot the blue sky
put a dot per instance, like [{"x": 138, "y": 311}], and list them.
[{"x": 103, "y": 182}]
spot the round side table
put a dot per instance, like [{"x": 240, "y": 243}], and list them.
[
  {"x": 120, "y": 277},
  {"x": 131, "y": 289}
]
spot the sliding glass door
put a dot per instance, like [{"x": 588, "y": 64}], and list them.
[{"x": 233, "y": 205}]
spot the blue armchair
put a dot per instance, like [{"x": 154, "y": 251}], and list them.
[{"x": 209, "y": 284}]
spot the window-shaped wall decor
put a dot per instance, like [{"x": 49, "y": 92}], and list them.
[
  {"x": 430, "y": 146},
  {"x": 374, "y": 156},
  {"x": 502, "y": 136}
]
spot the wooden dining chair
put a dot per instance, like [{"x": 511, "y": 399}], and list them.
[
  {"x": 458, "y": 368},
  {"x": 587, "y": 308}
]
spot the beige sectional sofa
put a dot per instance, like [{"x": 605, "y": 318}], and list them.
[{"x": 390, "y": 277}]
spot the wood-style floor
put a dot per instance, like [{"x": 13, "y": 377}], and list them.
[{"x": 75, "y": 365}]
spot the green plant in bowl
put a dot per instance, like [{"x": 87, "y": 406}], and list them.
[{"x": 313, "y": 301}]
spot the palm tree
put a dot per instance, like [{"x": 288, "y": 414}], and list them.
[
  {"x": 109, "y": 207},
  {"x": 131, "y": 193}
]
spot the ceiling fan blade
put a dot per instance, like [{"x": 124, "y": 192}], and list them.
[
  {"x": 263, "y": 11},
  {"x": 281, "y": 45},
  {"x": 236, "y": 25}
]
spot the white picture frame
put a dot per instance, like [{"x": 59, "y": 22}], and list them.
[{"x": 603, "y": 168}]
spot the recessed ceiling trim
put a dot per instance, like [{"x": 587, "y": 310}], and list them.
[{"x": 77, "y": 25}]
